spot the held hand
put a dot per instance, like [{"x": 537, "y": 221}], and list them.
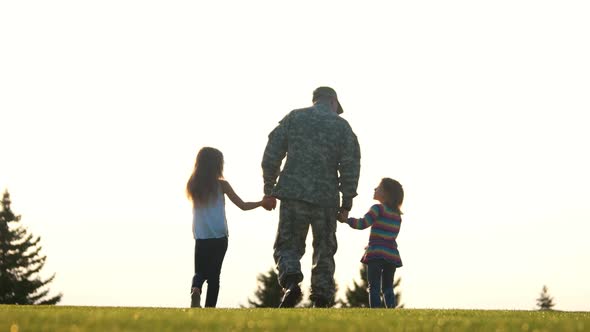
[
  {"x": 342, "y": 215},
  {"x": 269, "y": 203}
]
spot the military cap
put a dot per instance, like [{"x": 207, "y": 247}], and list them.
[{"x": 327, "y": 92}]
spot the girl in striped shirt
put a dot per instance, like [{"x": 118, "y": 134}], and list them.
[{"x": 381, "y": 255}]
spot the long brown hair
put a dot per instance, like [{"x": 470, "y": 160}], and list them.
[
  {"x": 394, "y": 192},
  {"x": 204, "y": 182}
]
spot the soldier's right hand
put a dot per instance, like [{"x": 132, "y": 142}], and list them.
[{"x": 269, "y": 203}]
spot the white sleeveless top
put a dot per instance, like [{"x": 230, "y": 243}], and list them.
[{"x": 209, "y": 221}]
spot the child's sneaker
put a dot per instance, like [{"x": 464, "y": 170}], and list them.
[{"x": 195, "y": 298}]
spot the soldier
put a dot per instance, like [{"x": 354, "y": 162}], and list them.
[{"x": 323, "y": 158}]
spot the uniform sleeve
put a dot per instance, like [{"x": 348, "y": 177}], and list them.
[
  {"x": 274, "y": 153},
  {"x": 366, "y": 221},
  {"x": 350, "y": 167}
]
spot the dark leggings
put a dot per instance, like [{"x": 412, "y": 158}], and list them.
[{"x": 209, "y": 254}]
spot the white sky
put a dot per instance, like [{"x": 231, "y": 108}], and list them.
[{"x": 478, "y": 108}]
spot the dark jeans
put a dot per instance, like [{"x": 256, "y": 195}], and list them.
[
  {"x": 380, "y": 277},
  {"x": 209, "y": 254}
]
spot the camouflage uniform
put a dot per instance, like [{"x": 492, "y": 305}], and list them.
[{"x": 323, "y": 158}]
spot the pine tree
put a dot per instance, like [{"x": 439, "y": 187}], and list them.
[
  {"x": 20, "y": 262},
  {"x": 545, "y": 302},
  {"x": 357, "y": 296},
  {"x": 269, "y": 293}
]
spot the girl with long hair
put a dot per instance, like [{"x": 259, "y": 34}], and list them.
[{"x": 206, "y": 188}]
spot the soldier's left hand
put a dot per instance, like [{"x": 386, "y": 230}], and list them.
[{"x": 342, "y": 215}]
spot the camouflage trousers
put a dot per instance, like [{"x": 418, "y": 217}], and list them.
[{"x": 294, "y": 220}]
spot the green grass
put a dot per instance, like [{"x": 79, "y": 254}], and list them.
[{"x": 62, "y": 318}]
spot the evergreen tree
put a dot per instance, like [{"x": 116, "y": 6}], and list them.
[
  {"x": 545, "y": 302},
  {"x": 20, "y": 262},
  {"x": 357, "y": 296},
  {"x": 269, "y": 293}
]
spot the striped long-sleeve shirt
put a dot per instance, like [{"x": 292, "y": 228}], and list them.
[{"x": 385, "y": 224}]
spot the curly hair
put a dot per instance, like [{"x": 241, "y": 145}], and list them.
[{"x": 394, "y": 192}]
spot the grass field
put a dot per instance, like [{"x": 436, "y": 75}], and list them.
[{"x": 62, "y": 318}]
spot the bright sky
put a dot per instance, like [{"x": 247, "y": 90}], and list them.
[{"x": 480, "y": 109}]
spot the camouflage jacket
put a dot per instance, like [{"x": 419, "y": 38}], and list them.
[{"x": 323, "y": 158}]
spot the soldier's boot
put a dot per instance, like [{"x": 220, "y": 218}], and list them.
[
  {"x": 291, "y": 297},
  {"x": 320, "y": 302}
]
